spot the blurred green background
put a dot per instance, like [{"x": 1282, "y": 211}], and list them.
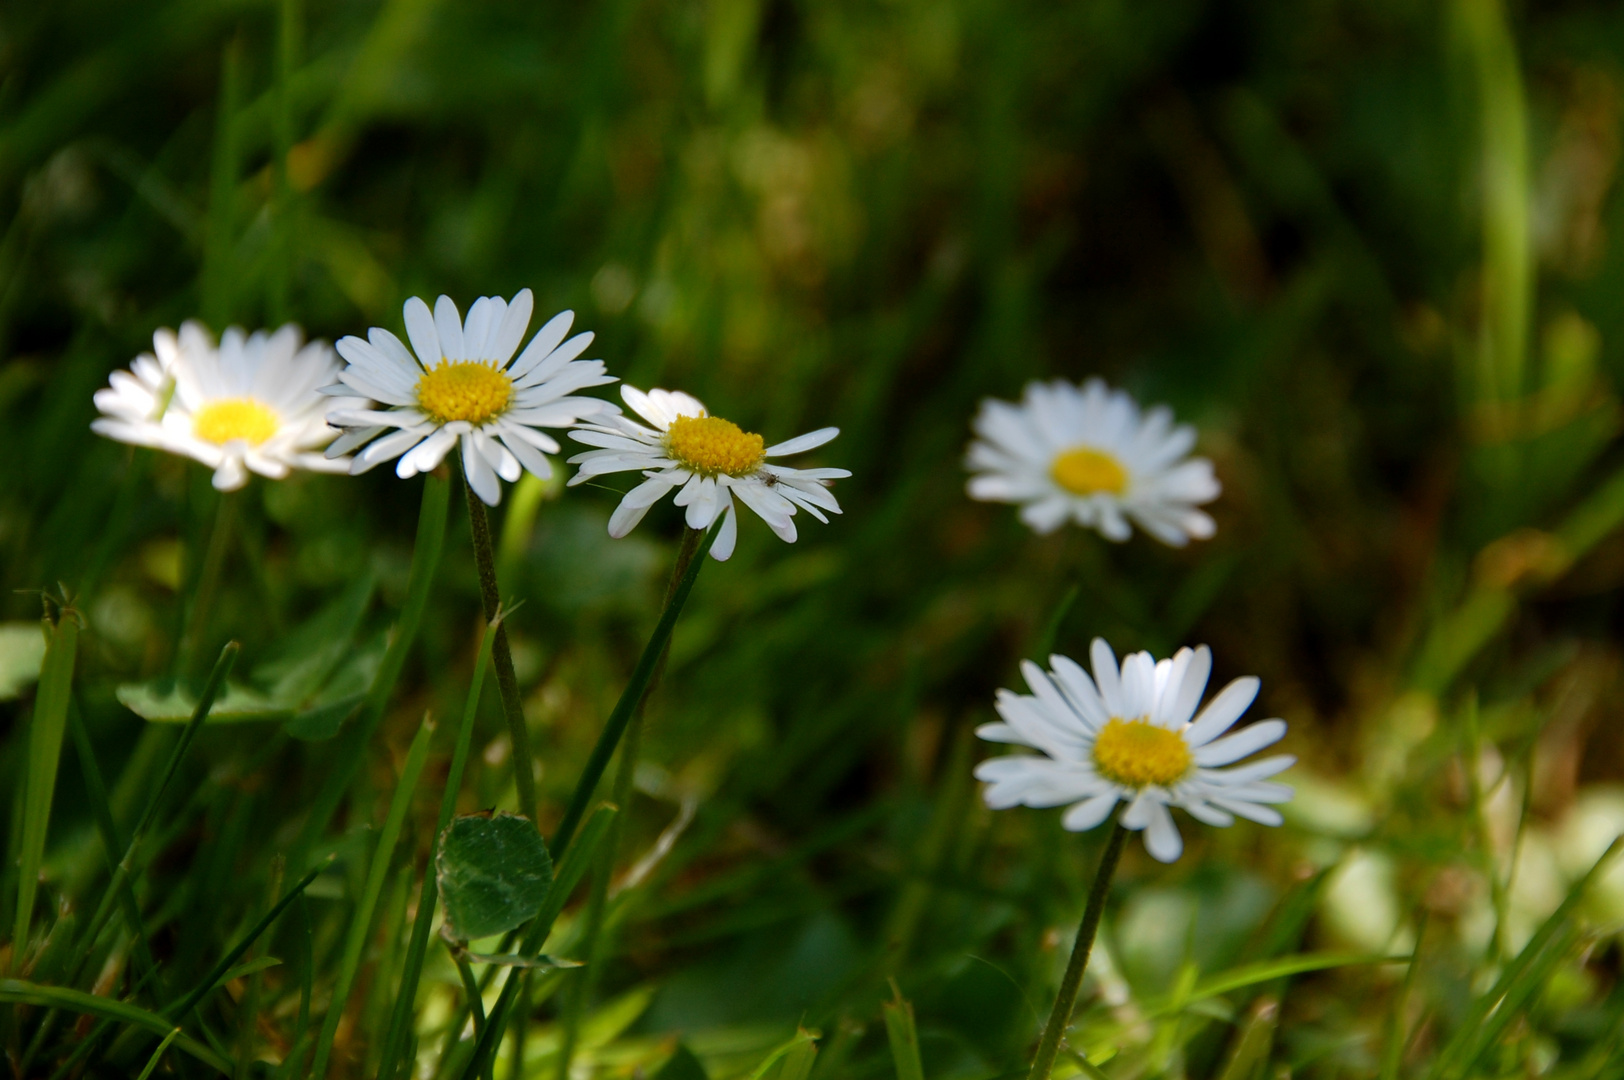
[{"x": 1370, "y": 247}]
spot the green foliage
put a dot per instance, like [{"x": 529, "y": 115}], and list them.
[
  {"x": 493, "y": 871},
  {"x": 1371, "y": 250}
]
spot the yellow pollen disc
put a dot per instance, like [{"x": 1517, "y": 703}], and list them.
[
  {"x": 463, "y": 390},
  {"x": 1083, "y": 470},
  {"x": 219, "y": 422},
  {"x": 710, "y": 446},
  {"x": 1137, "y": 753}
]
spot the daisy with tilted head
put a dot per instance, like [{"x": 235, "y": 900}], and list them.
[
  {"x": 707, "y": 461},
  {"x": 1132, "y": 735},
  {"x": 1087, "y": 454},
  {"x": 1128, "y": 735},
  {"x": 464, "y": 385},
  {"x": 252, "y": 404}
]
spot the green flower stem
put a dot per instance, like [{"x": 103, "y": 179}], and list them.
[
  {"x": 524, "y": 762},
  {"x": 205, "y": 586},
  {"x": 625, "y": 773},
  {"x": 352, "y": 749},
  {"x": 1060, "y": 1015},
  {"x": 400, "y": 1021},
  {"x": 631, "y": 698}
]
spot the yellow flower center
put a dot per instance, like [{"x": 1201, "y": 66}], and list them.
[
  {"x": 710, "y": 446},
  {"x": 219, "y": 422},
  {"x": 463, "y": 390},
  {"x": 1083, "y": 470},
  {"x": 1137, "y": 753}
]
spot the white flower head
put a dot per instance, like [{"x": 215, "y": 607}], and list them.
[
  {"x": 1088, "y": 454},
  {"x": 464, "y": 383},
  {"x": 1132, "y": 735},
  {"x": 706, "y": 460},
  {"x": 251, "y": 404}
]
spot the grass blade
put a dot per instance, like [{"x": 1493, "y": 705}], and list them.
[
  {"x": 361, "y": 926},
  {"x": 622, "y": 714},
  {"x": 45, "y": 731},
  {"x": 406, "y": 995},
  {"x": 20, "y": 992},
  {"x": 904, "y": 1036}
]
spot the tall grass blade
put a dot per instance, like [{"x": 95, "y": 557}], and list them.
[
  {"x": 406, "y": 995},
  {"x": 903, "y": 1035},
  {"x": 20, "y": 992},
  {"x": 45, "y": 730},
  {"x": 361, "y": 925}
]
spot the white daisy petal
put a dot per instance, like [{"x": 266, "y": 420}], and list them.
[
  {"x": 507, "y": 334},
  {"x": 722, "y": 549},
  {"x": 1162, "y": 837},
  {"x": 448, "y": 327},
  {"x": 802, "y": 443},
  {"x": 421, "y": 333},
  {"x": 1091, "y": 812},
  {"x": 1248, "y": 740},
  {"x": 1222, "y": 711}
]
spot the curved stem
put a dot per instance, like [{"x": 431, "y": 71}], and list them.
[
  {"x": 1060, "y": 1015},
  {"x": 507, "y": 683}
]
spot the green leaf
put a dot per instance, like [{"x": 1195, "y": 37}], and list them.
[
  {"x": 303, "y": 661},
  {"x": 682, "y": 1065},
  {"x": 494, "y": 872},
  {"x": 165, "y": 702}
]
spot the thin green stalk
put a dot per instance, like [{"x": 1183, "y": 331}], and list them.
[
  {"x": 524, "y": 761},
  {"x": 1498, "y": 891},
  {"x": 179, "y": 1010},
  {"x": 630, "y": 698},
  {"x": 207, "y": 584},
  {"x": 597, "y": 903},
  {"x": 470, "y": 988},
  {"x": 351, "y": 751},
  {"x": 361, "y": 926},
  {"x": 128, "y": 864},
  {"x": 45, "y": 730},
  {"x": 1060, "y": 1015},
  {"x": 406, "y": 996},
  {"x": 158, "y": 1054}
]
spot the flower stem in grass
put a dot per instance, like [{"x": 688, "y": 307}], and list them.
[
  {"x": 524, "y": 775},
  {"x": 597, "y": 903},
  {"x": 1060, "y": 1015},
  {"x": 400, "y": 1021},
  {"x": 631, "y": 698},
  {"x": 206, "y": 585}
]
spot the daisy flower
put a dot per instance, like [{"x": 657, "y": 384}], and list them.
[
  {"x": 1128, "y": 736},
  {"x": 252, "y": 404},
  {"x": 461, "y": 386},
  {"x": 1087, "y": 453},
  {"x": 706, "y": 460}
]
